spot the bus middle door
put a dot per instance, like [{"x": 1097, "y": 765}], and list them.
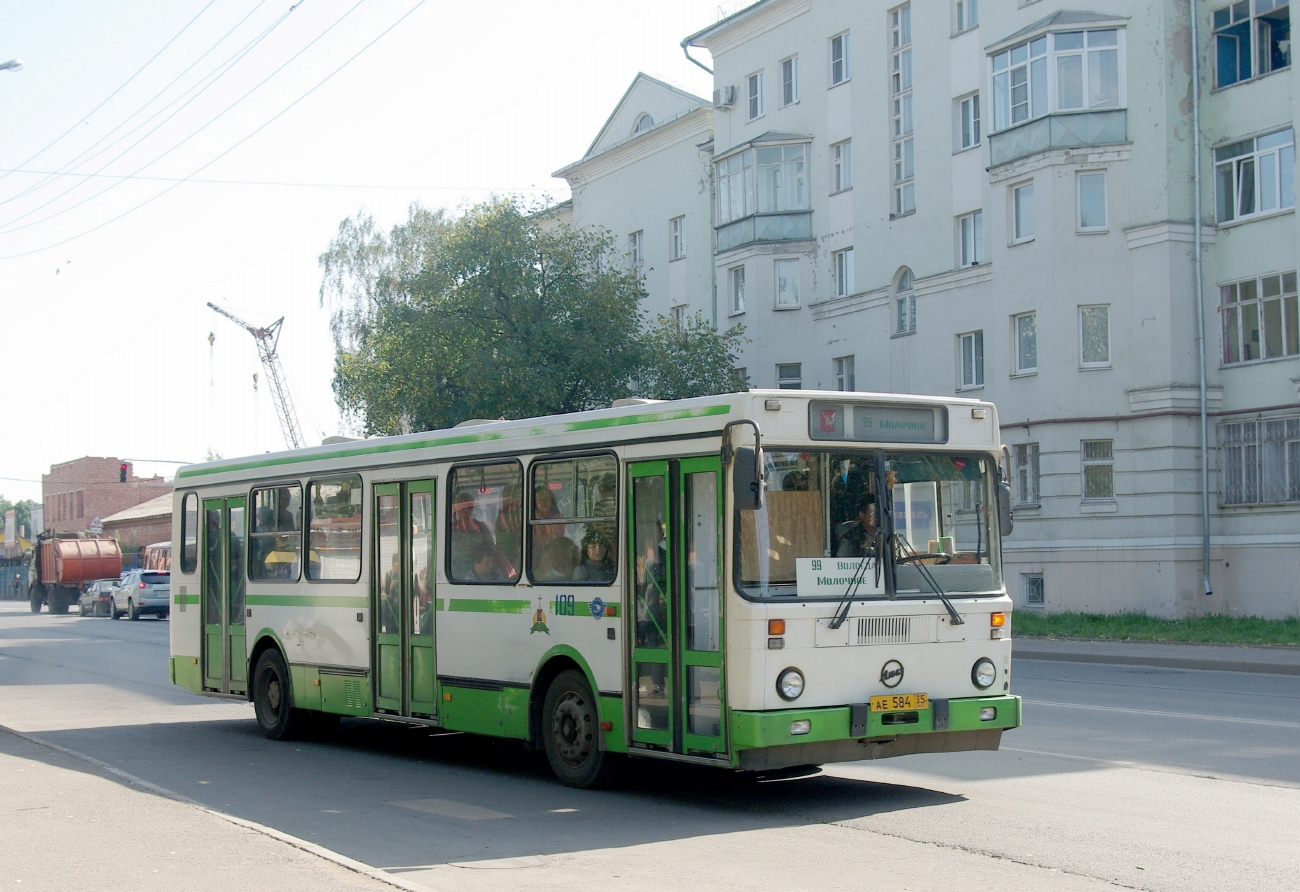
[{"x": 225, "y": 647}]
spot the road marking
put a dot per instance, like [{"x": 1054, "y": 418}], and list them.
[{"x": 1168, "y": 715}]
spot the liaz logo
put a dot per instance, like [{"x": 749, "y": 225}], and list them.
[
  {"x": 891, "y": 674},
  {"x": 829, "y": 419}
]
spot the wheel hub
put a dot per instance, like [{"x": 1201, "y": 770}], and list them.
[{"x": 571, "y": 728}]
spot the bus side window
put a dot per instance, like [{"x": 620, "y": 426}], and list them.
[{"x": 275, "y": 549}]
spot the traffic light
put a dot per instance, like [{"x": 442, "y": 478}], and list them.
[{"x": 121, "y": 473}]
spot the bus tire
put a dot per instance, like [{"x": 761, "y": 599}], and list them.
[
  {"x": 571, "y": 733},
  {"x": 273, "y": 698}
]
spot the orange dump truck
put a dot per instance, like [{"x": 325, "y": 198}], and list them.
[{"x": 63, "y": 562}]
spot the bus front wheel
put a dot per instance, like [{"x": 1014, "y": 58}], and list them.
[
  {"x": 273, "y": 700},
  {"x": 571, "y": 734}
]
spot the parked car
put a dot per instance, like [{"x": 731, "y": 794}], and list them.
[
  {"x": 140, "y": 593},
  {"x": 96, "y": 597}
]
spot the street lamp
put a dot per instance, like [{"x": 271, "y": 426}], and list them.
[{"x": 12, "y": 65}]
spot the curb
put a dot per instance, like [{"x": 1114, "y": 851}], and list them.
[
  {"x": 309, "y": 847},
  {"x": 1025, "y": 650}
]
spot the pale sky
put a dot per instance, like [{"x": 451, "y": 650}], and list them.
[{"x": 103, "y": 296}]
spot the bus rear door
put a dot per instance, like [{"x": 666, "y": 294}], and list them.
[{"x": 225, "y": 649}]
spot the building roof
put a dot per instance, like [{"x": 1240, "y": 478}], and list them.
[
  {"x": 150, "y": 510},
  {"x": 1062, "y": 19},
  {"x": 692, "y": 102},
  {"x": 745, "y": 13}
]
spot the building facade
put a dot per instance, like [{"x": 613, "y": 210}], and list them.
[
  {"x": 1001, "y": 200},
  {"x": 79, "y": 494}
]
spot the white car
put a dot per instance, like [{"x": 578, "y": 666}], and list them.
[{"x": 142, "y": 592}]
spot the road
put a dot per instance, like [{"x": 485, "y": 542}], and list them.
[{"x": 1123, "y": 777}]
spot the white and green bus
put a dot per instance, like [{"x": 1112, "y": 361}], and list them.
[{"x": 755, "y": 581}]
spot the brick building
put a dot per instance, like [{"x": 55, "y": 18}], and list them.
[
  {"x": 79, "y": 492},
  {"x": 142, "y": 524}
]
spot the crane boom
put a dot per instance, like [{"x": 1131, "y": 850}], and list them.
[{"x": 268, "y": 339}]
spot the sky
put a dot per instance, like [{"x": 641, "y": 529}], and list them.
[{"x": 157, "y": 155}]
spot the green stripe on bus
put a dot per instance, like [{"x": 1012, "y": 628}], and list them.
[
  {"x": 484, "y": 605},
  {"x": 452, "y": 440},
  {"x": 306, "y": 601},
  {"x": 185, "y": 599}
]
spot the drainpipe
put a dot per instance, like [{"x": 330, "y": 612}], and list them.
[
  {"x": 1200, "y": 300},
  {"x": 687, "y": 50}
]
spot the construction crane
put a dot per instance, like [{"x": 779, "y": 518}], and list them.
[{"x": 267, "y": 340}]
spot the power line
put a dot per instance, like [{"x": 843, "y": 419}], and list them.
[
  {"x": 119, "y": 89},
  {"x": 234, "y": 60},
  {"x": 258, "y": 130},
  {"x": 68, "y": 165}
]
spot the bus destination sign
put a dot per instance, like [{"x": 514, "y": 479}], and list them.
[{"x": 877, "y": 423}]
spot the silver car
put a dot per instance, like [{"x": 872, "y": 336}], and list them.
[{"x": 140, "y": 593}]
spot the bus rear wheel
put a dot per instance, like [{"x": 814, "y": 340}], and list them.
[
  {"x": 273, "y": 698},
  {"x": 571, "y": 734}
]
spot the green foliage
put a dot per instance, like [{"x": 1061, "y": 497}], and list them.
[
  {"x": 491, "y": 315},
  {"x": 22, "y": 514},
  {"x": 1212, "y": 629}
]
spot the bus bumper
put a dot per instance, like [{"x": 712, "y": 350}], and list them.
[{"x": 767, "y": 740}]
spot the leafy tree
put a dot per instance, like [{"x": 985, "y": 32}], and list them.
[
  {"x": 491, "y": 314},
  {"x": 22, "y": 513}
]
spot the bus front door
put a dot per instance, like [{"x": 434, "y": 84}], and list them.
[
  {"x": 677, "y": 684},
  {"x": 403, "y": 600},
  {"x": 225, "y": 648}
]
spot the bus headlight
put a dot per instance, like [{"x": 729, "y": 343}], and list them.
[
  {"x": 983, "y": 673},
  {"x": 789, "y": 684}
]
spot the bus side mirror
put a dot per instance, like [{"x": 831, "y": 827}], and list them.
[
  {"x": 1006, "y": 523},
  {"x": 747, "y": 478}
]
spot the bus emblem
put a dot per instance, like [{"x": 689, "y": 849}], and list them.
[
  {"x": 597, "y": 608},
  {"x": 891, "y": 674},
  {"x": 539, "y": 619}
]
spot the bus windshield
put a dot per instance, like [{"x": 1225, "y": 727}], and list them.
[{"x": 843, "y": 506}]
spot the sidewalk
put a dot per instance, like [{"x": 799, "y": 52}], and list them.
[{"x": 1220, "y": 657}]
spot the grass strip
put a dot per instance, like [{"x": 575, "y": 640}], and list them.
[{"x": 1211, "y": 629}]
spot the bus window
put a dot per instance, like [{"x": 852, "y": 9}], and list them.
[
  {"x": 573, "y": 525},
  {"x": 334, "y": 530},
  {"x": 275, "y": 547},
  {"x": 189, "y": 532},
  {"x": 484, "y": 525}
]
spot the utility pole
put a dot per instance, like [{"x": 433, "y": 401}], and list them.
[{"x": 268, "y": 339}]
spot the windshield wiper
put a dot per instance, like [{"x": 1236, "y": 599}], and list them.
[
  {"x": 842, "y": 612},
  {"x": 924, "y": 570}
]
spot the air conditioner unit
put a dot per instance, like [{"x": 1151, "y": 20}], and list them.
[{"x": 724, "y": 97}]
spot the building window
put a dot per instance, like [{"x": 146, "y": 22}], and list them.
[
  {"x": 972, "y": 359},
  {"x": 643, "y": 123},
  {"x": 1091, "y": 189},
  {"x": 900, "y": 80},
  {"x": 636, "y": 249},
  {"x": 1026, "y": 458},
  {"x": 1251, "y": 42},
  {"x": 1025, "y": 333},
  {"x": 1259, "y": 319},
  {"x": 677, "y": 238},
  {"x": 1098, "y": 458},
  {"x": 844, "y": 375},
  {"x": 767, "y": 179},
  {"x": 1031, "y": 590},
  {"x": 787, "y": 284},
  {"x": 1255, "y": 176},
  {"x": 789, "y": 375},
  {"x": 840, "y": 71},
  {"x": 1261, "y": 461},
  {"x": 790, "y": 81},
  {"x": 842, "y": 166},
  {"x": 1094, "y": 337},
  {"x": 1022, "y": 213},
  {"x": 843, "y": 261},
  {"x": 1064, "y": 71},
  {"x": 757, "y": 100},
  {"x": 904, "y": 304},
  {"x": 736, "y": 288},
  {"x": 679, "y": 314},
  {"x": 968, "y": 110},
  {"x": 971, "y": 233},
  {"x": 967, "y": 14}
]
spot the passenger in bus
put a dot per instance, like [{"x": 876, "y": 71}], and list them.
[
  {"x": 857, "y": 538},
  {"x": 598, "y": 554},
  {"x": 652, "y": 589},
  {"x": 544, "y": 508},
  {"x": 467, "y": 532},
  {"x": 284, "y": 516},
  {"x": 554, "y": 558},
  {"x": 484, "y": 560},
  {"x": 510, "y": 521},
  {"x": 606, "y": 502},
  {"x": 391, "y": 598},
  {"x": 423, "y": 602}
]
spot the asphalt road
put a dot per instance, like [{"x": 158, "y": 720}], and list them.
[{"x": 1123, "y": 777}]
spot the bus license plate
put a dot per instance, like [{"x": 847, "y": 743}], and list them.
[{"x": 900, "y": 702}]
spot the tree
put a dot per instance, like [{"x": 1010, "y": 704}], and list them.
[
  {"x": 490, "y": 315},
  {"x": 22, "y": 513}
]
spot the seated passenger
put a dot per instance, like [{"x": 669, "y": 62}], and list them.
[
  {"x": 598, "y": 555},
  {"x": 554, "y": 559},
  {"x": 857, "y": 538}
]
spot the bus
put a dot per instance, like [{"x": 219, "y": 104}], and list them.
[
  {"x": 758, "y": 581},
  {"x": 157, "y": 556}
]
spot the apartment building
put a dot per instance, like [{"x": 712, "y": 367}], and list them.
[{"x": 1001, "y": 199}]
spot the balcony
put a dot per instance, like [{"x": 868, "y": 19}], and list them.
[
  {"x": 786, "y": 226},
  {"x": 1063, "y": 130}
]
